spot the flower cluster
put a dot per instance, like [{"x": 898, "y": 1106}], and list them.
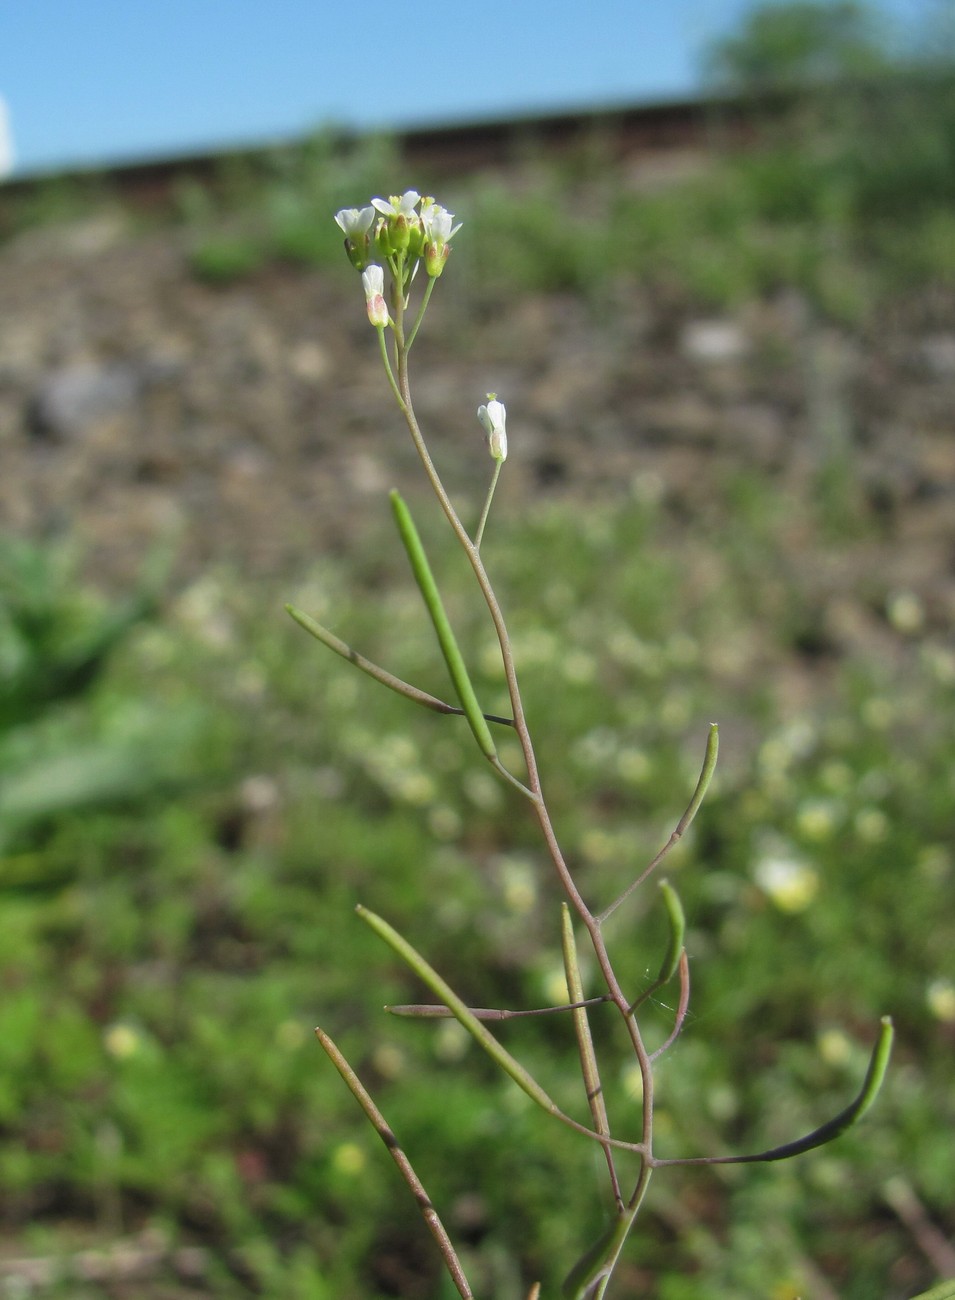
[
  {"x": 403, "y": 230},
  {"x": 401, "y": 233}
]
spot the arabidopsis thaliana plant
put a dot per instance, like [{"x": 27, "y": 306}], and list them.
[{"x": 492, "y": 416}]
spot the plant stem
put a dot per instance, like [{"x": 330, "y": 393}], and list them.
[
  {"x": 421, "y": 311},
  {"x": 533, "y": 791},
  {"x": 479, "y": 535}
]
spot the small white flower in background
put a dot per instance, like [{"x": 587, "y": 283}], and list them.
[
  {"x": 785, "y": 878},
  {"x": 493, "y": 416},
  {"x": 389, "y": 1060},
  {"x": 349, "y": 1159},
  {"x": 818, "y": 819},
  {"x": 518, "y": 883},
  {"x": 906, "y": 612},
  {"x": 122, "y": 1041},
  {"x": 940, "y": 996},
  {"x": 373, "y": 278},
  {"x": 871, "y": 825},
  {"x": 450, "y": 1042},
  {"x": 553, "y": 985},
  {"x": 632, "y": 1080},
  {"x": 834, "y": 1047}
]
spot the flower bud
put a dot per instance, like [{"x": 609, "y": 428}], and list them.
[
  {"x": 493, "y": 416},
  {"x": 400, "y": 231},
  {"x": 373, "y": 278},
  {"x": 435, "y": 256}
]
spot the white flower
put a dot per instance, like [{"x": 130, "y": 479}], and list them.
[
  {"x": 436, "y": 222},
  {"x": 355, "y": 222},
  {"x": 492, "y": 416},
  {"x": 398, "y": 205},
  {"x": 788, "y": 881},
  {"x": 122, "y": 1041},
  {"x": 373, "y": 278},
  {"x": 940, "y": 996},
  {"x": 437, "y": 229}
]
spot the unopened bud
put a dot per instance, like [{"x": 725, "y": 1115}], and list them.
[
  {"x": 435, "y": 256},
  {"x": 400, "y": 232},
  {"x": 493, "y": 417},
  {"x": 373, "y": 278}
]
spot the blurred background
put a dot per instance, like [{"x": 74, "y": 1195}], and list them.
[{"x": 708, "y": 261}]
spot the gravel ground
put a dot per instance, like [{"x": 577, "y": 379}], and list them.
[{"x": 252, "y": 421}]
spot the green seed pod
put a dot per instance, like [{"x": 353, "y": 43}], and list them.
[
  {"x": 446, "y": 639},
  {"x": 671, "y": 958}
]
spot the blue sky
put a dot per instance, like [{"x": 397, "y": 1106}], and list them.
[{"x": 99, "y": 81}]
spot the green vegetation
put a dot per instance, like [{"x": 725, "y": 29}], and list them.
[
  {"x": 55, "y": 643},
  {"x": 861, "y": 212},
  {"x": 165, "y": 957},
  {"x": 275, "y": 207}
]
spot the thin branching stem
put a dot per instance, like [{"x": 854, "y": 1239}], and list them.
[
  {"x": 482, "y": 1035},
  {"x": 425, "y": 299},
  {"x": 706, "y": 775},
  {"x": 387, "y": 361},
  {"x": 534, "y": 791}
]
